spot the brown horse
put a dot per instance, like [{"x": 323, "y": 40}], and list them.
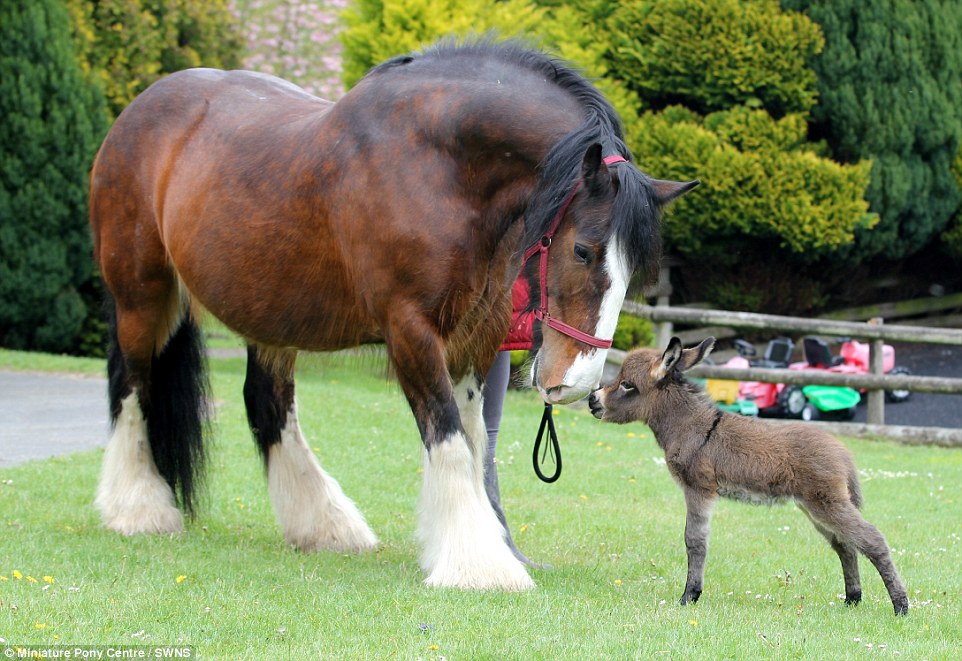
[{"x": 399, "y": 215}]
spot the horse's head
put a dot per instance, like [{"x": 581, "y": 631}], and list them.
[{"x": 606, "y": 230}]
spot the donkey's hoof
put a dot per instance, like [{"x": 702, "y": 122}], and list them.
[
  {"x": 690, "y": 597},
  {"x": 901, "y": 606},
  {"x": 853, "y": 599}
]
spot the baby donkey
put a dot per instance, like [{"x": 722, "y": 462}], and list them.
[{"x": 711, "y": 453}]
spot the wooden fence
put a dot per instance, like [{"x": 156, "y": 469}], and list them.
[{"x": 875, "y": 382}]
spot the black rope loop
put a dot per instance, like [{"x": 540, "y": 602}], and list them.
[{"x": 553, "y": 449}]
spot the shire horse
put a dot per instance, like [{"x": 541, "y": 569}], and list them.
[{"x": 400, "y": 215}]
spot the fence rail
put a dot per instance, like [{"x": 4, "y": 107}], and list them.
[{"x": 875, "y": 331}]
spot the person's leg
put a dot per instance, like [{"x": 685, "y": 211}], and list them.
[{"x": 495, "y": 386}]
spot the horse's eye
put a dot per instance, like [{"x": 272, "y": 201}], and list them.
[
  {"x": 582, "y": 253},
  {"x": 628, "y": 387}
]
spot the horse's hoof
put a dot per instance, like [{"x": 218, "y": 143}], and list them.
[
  {"x": 361, "y": 541},
  {"x": 506, "y": 581},
  {"x": 146, "y": 521}
]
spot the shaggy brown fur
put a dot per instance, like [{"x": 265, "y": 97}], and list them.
[{"x": 711, "y": 453}]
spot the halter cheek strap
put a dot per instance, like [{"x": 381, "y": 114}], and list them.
[{"x": 541, "y": 313}]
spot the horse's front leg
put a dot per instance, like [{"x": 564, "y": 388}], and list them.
[{"x": 462, "y": 539}]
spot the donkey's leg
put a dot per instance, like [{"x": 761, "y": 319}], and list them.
[
  {"x": 846, "y": 522},
  {"x": 848, "y": 555},
  {"x": 312, "y": 509},
  {"x": 699, "y": 505},
  {"x": 132, "y": 496}
]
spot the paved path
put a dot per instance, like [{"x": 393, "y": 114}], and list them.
[{"x": 47, "y": 415}]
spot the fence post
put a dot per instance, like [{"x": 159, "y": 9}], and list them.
[
  {"x": 876, "y": 398},
  {"x": 664, "y": 329}
]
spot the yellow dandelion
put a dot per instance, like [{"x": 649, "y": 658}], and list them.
[
  {"x": 583, "y": 497},
  {"x": 433, "y": 647},
  {"x": 631, "y": 434},
  {"x": 618, "y": 581},
  {"x": 4, "y": 578},
  {"x": 599, "y": 443},
  {"x": 181, "y": 578},
  {"x": 48, "y": 579},
  {"x": 17, "y": 575},
  {"x": 556, "y": 412},
  {"x": 40, "y": 625},
  {"x": 631, "y": 480},
  {"x": 524, "y": 527},
  {"x": 693, "y": 623},
  {"x": 31, "y": 579}
]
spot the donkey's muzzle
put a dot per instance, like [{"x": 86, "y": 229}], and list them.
[{"x": 595, "y": 405}]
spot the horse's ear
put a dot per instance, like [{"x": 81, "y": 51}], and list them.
[
  {"x": 666, "y": 191},
  {"x": 594, "y": 172}
]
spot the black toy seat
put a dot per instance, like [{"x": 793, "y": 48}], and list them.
[
  {"x": 778, "y": 354},
  {"x": 817, "y": 353}
]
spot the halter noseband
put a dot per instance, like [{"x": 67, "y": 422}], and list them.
[{"x": 541, "y": 313}]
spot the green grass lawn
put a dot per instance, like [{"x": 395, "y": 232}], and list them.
[{"x": 611, "y": 527}]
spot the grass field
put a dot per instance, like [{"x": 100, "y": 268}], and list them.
[{"x": 611, "y": 527}]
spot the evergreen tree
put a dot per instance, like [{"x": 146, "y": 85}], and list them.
[
  {"x": 128, "y": 44},
  {"x": 52, "y": 123},
  {"x": 889, "y": 90}
]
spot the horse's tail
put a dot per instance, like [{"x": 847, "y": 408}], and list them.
[{"x": 175, "y": 404}]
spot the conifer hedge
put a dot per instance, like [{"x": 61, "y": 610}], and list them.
[
  {"x": 53, "y": 122},
  {"x": 714, "y": 89}
]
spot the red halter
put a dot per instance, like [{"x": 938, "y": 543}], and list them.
[{"x": 542, "y": 246}]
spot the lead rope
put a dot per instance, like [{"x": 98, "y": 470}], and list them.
[
  {"x": 541, "y": 313},
  {"x": 553, "y": 449}
]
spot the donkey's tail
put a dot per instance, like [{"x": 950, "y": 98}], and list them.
[
  {"x": 854, "y": 488},
  {"x": 175, "y": 404}
]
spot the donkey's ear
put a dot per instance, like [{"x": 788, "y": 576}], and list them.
[
  {"x": 666, "y": 191},
  {"x": 594, "y": 172},
  {"x": 669, "y": 360},
  {"x": 691, "y": 357}
]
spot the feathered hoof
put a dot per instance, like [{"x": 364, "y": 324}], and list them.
[
  {"x": 145, "y": 520},
  {"x": 360, "y": 540},
  {"x": 514, "y": 579}
]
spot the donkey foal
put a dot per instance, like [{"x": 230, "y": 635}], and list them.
[{"x": 711, "y": 453}]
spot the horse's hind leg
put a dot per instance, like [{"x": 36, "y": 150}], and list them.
[
  {"x": 157, "y": 404},
  {"x": 312, "y": 509},
  {"x": 846, "y": 522}
]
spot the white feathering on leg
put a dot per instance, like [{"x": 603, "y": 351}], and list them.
[
  {"x": 312, "y": 509},
  {"x": 132, "y": 496}
]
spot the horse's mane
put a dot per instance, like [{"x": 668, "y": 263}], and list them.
[{"x": 634, "y": 217}]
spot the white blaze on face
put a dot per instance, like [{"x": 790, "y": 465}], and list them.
[{"x": 585, "y": 372}]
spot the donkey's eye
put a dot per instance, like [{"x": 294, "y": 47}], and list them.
[
  {"x": 582, "y": 253},
  {"x": 627, "y": 386}
]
